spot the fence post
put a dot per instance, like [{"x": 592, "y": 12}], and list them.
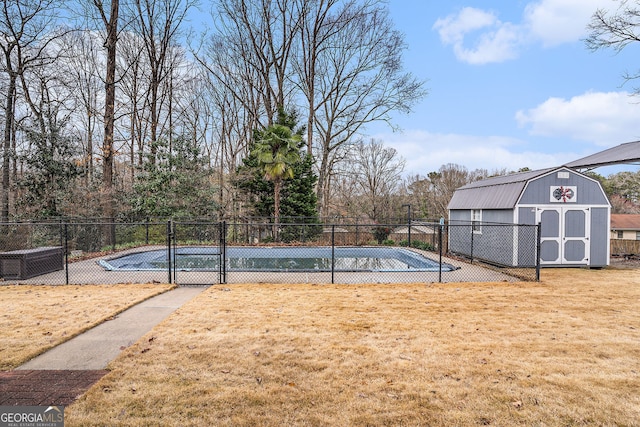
[
  {"x": 169, "y": 238},
  {"x": 440, "y": 250},
  {"x": 333, "y": 251},
  {"x": 538, "y": 246},
  {"x": 357, "y": 230},
  {"x": 472, "y": 234},
  {"x": 113, "y": 234},
  {"x": 61, "y": 229},
  {"x": 223, "y": 252},
  {"x": 66, "y": 253},
  {"x": 174, "y": 239}
]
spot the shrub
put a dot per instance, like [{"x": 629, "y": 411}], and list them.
[
  {"x": 418, "y": 245},
  {"x": 381, "y": 233}
]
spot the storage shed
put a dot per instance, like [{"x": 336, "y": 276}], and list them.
[{"x": 572, "y": 208}]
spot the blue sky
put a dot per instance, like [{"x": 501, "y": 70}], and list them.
[{"x": 511, "y": 84}]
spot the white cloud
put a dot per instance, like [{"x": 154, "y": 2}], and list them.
[
  {"x": 593, "y": 121},
  {"x": 555, "y": 22},
  {"x": 453, "y": 28},
  {"x": 425, "y": 152},
  {"x": 497, "y": 43},
  {"x": 605, "y": 119},
  {"x": 480, "y": 37}
]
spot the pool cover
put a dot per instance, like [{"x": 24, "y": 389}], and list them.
[{"x": 309, "y": 259}]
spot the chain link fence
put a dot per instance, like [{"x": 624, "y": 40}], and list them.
[{"x": 205, "y": 252}]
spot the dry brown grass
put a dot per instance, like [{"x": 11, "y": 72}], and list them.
[
  {"x": 565, "y": 351},
  {"x": 34, "y": 319}
]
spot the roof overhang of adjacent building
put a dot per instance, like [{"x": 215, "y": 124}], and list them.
[
  {"x": 628, "y": 153},
  {"x": 625, "y": 221}
]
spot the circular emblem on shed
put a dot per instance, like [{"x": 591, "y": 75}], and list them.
[{"x": 564, "y": 194}]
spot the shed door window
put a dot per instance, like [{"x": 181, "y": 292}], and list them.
[{"x": 476, "y": 220}]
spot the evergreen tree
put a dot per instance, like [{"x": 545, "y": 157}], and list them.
[
  {"x": 300, "y": 203},
  {"x": 50, "y": 172},
  {"x": 277, "y": 150},
  {"x": 176, "y": 185},
  {"x": 298, "y": 197}
]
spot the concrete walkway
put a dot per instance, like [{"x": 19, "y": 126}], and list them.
[{"x": 94, "y": 349}]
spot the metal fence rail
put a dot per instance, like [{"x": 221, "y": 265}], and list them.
[{"x": 204, "y": 253}]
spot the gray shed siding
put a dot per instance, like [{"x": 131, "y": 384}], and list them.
[
  {"x": 527, "y": 237},
  {"x": 500, "y": 216},
  {"x": 599, "y": 237},
  {"x": 526, "y": 215},
  {"x": 488, "y": 243},
  {"x": 495, "y": 243},
  {"x": 459, "y": 216},
  {"x": 537, "y": 191},
  {"x": 534, "y": 200}
]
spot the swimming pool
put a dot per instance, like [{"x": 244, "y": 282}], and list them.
[{"x": 278, "y": 259}]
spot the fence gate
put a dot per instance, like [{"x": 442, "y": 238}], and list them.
[{"x": 197, "y": 253}]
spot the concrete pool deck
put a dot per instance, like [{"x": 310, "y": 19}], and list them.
[{"x": 90, "y": 272}]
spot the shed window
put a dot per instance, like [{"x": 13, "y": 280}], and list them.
[{"x": 476, "y": 220}]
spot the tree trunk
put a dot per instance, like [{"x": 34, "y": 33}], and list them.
[
  {"x": 109, "y": 120},
  {"x": 8, "y": 127},
  {"x": 277, "y": 188}
]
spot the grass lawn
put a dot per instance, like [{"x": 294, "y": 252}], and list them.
[
  {"x": 565, "y": 351},
  {"x": 34, "y": 319}
]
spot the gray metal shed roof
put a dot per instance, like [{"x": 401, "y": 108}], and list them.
[
  {"x": 500, "y": 192},
  {"x": 628, "y": 153}
]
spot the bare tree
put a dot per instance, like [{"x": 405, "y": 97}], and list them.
[
  {"x": 233, "y": 111},
  {"x": 616, "y": 30},
  {"x": 109, "y": 17},
  {"x": 359, "y": 79},
  {"x": 25, "y": 36},
  {"x": 625, "y": 184},
  {"x": 81, "y": 66},
  {"x": 261, "y": 33},
  {"x": 158, "y": 23},
  {"x": 340, "y": 60},
  {"x": 446, "y": 180},
  {"x": 418, "y": 189},
  {"x": 248, "y": 64},
  {"x": 133, "y": 78},
  {"x": 317, "y": 27},
  {"x": 622, "y": 205},
  {"x": 376, "y": 170}
]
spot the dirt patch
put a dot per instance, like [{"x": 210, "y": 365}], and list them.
[{"x": 626, "y": 262}]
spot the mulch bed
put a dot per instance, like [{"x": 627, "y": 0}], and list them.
[{"x": 45, "y": 388}]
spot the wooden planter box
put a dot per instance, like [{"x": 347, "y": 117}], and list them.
[{"x": 27, "y": 263}]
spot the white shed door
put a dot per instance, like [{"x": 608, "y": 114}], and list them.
[{"x": 564, "y": 235}]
